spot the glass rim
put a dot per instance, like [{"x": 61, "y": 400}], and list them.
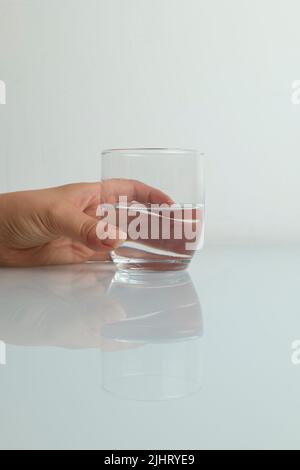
[{"x": 135, "y": 151}]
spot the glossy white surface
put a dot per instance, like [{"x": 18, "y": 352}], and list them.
[{"x": 95, "y": 362}]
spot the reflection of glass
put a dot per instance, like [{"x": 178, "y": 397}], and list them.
[
  {"x": 163, "y": 325},
  {"x": 158, "y": 238}
]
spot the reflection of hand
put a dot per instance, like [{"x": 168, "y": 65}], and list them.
[
  {"x": 62, "y": 307},
  {"x": 59, "y": 225}
]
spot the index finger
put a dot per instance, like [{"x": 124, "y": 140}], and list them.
[{"x": 134, "y": 190}]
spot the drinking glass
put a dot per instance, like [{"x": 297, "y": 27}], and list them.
[{"x": 156, "y": 198}]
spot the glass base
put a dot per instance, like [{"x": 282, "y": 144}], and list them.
[{"x": 144, "y": 265}]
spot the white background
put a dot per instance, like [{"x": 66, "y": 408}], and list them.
[{"x": 83, "y": 75}]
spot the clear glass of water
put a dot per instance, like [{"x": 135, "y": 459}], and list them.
[{"x": 156, "y": 198}]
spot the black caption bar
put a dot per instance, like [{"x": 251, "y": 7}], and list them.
[{"x": 150, "y": 459}]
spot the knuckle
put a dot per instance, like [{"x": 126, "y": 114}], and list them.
[
  {"x": 86, "y": 229},
  {"x": 53, "y": 216}
]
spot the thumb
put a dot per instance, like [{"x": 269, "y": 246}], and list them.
[{"x": 85, "y": 229}]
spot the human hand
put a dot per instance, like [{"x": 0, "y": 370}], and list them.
[{"x": 59, "y": 225}]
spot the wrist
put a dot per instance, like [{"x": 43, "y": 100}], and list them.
[
  {"x": 3, "y": 230},
  {"x": 3, "y": 211}
]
